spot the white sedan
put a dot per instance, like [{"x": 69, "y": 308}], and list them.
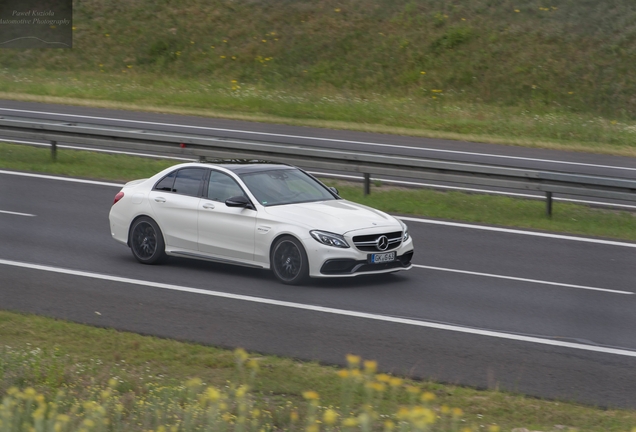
[{"x": 257, "y": 214}]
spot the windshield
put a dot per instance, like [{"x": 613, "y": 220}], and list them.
[{"x": 285, "y": 186}]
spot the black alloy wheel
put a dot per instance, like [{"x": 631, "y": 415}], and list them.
[
  {"x": 289, "y": 261},
  {"x": 146, "y": 241}
]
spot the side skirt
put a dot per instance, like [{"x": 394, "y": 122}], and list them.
[{"x": 213, "y": 259}]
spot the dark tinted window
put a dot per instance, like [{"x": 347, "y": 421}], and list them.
[
  {"x": 221, "y": 187},
  {"x": 166, "y": 183},
  {"x": 188, "y": 181}
]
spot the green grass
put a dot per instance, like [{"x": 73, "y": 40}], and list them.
[
  {"x": 551, "y": 128},
  {"x": 458, "y": 206},
  {"x": 550, "y": 74},
  {"x": 52, "y": 355}
]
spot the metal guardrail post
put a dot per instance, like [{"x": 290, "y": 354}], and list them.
[{"x": 196, "y": 146}]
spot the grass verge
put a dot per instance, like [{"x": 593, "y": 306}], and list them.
[
  {"x": 543, "y": 127},
  {"x": 485, "y": 209},
  {"x": 73, "y": 362}
]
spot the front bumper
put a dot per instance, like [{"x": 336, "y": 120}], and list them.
[
  {"x": 347, "y": 266},
  {"x": 327, "y": 261}
]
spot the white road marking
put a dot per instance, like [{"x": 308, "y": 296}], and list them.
[
  {"x": 335, "y": 311},
  {"x": 542, "y": 282},
  {"x": 395, "y": 146},
  {"x": 17, "y": 213},
  {"x": 67, "y": 179},
  {"x": 521, "y": 232},
  {"x": 412, "y": 219}
]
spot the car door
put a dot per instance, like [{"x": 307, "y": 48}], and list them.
[
  {"x": 175, "y": 203},
  {"x": 226, "y": 232}
]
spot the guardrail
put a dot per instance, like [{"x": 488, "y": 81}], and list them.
[{"x": 170, "y": 143}]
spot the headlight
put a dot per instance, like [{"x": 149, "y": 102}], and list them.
[
  {"x": 329, "y": 239},
  {"x": 405, "y": 231}
]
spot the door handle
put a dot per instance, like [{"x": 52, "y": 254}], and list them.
[
  {"x": 208, "y": 206},
  {"x": 160, "y": 199}
]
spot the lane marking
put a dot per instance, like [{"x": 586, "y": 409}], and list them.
[
  {"x": 395, "y": 146},
  {"x": 520, "y": 232},
  {"x": 334, "y": 311},
  {"x": 518, "y": 279},
  {"x": 67, "y": 179},
  {"x": 406, "y": 218},
  {"x": 17, "y": 213}
]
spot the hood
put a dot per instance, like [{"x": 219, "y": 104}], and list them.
[{"x": 337, "y": 216}]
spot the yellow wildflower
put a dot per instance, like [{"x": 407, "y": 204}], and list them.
[
  {"x": 383, "y": 378},
  {"x": 353, "y": 360},
  {"x": 343, "y": 373},
  {"x": 330, "y": 417},
  {"x": 370, "y": 366},
  {"x": 311, "y": 395},
  {"x": 428, "y": 397},
  {"x": 212, "y": 394},
  {"x": 412, "y": 390},
  {"x": 240, "y": 353},
  {"x": 395, "y": 382}
]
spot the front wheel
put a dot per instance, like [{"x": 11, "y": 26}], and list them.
[
  {"x": 289, "y": 261},
  {"x": 146, "y": 241}
]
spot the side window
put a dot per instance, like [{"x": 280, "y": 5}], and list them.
[
  {"x": 188, "y": 181},
  {"x": 166, "y": 183},
  {"x": 221, "y": 187}
]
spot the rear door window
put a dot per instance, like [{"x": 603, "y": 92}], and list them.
[{"x": 186, "y": 181}]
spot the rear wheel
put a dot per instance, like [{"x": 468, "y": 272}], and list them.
[
  {"x": 289, "y": 261},
  {"x": 146, "y": 241}
]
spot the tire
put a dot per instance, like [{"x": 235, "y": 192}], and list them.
[
  {"x": 289, "y": 262},
  {"x": 146, "y": 241}
]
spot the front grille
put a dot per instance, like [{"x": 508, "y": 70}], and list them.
[
  {"x": 348, "y": 266},
  {"x": 369, "y": 243}
]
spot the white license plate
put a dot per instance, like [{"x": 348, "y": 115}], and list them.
[{"x": 382, "y": 257}]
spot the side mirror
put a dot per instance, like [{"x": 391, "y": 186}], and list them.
[
  {"x": 239, "y": 201},
  {"x": 334, "y": 190}
]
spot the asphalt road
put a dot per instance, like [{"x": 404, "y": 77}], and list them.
[{"x": 550, "y": 316}]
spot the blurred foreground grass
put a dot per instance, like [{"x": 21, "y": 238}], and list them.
[{"x": 59, "y": 376}]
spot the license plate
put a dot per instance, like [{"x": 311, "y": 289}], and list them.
[{"x": 381, "y": 257}]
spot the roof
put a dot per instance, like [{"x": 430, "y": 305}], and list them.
[{"x": 241, "y": 166}]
